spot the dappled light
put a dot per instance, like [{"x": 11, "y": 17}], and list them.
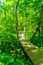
[
  {"x": 41, "y": 64},
  {"x": 27, "y": 45},
  {"x": 21, "y": 32},
  {"x": 36, "y": 50}
]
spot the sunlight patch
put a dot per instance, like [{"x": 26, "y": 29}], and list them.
[
  {"x": 27, "y": 45},
  {"x": 34, "y": 50},
  {"x": 41, "y": 64}
]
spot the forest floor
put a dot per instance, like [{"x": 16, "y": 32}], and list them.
[{"x": 33, "y": 51}]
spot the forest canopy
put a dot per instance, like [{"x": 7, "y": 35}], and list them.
[{"x": 20, "y": 16}]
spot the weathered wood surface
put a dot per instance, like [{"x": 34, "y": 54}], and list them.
[{"x": 33, "y": 51}]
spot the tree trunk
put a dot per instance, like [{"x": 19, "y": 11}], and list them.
[
  {"x": 17, "y": 19},
  {"x": 42, "y": 25}
]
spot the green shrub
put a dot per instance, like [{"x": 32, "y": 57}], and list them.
[{"x": 5, "y": 59}]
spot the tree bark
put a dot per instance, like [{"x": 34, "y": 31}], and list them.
[
  {"x": 41, "y": 25},
  {"x": 17, "y": 19}
]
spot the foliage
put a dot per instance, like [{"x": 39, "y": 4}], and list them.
[
  {"x": 13, "y": 19},
  {"x": 5, "y": 59}
]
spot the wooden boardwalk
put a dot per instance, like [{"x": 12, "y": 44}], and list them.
[{"x": 33, "y": 51}]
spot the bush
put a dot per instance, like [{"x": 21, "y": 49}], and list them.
[{"x": 6, "y": 59}]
